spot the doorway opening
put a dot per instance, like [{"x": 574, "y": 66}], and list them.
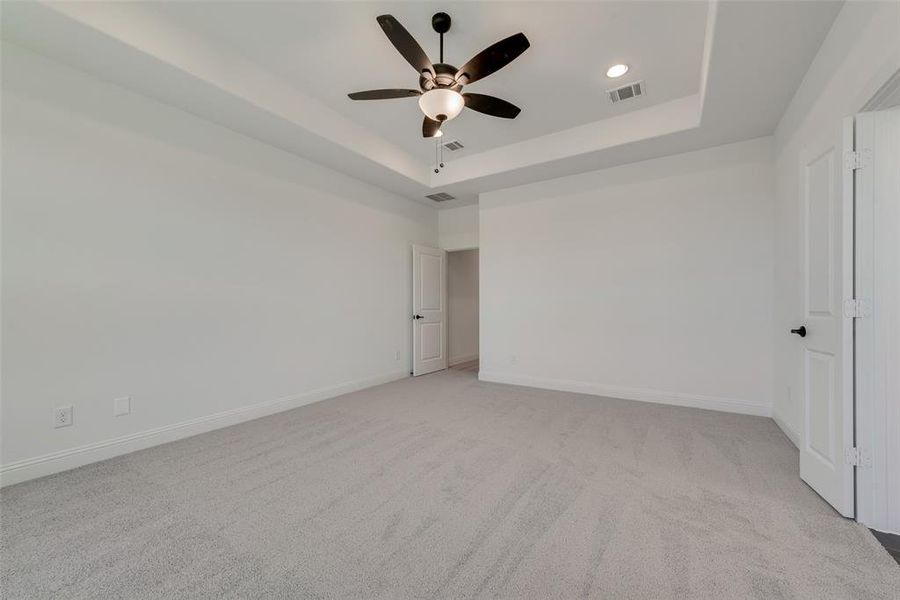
[{"x": 462, "y": 309}]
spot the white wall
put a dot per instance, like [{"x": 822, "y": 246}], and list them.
[
  {"x": 458, "y": 227},
  {"x": 650, "y": 281},
  {"x": 462, "y": 305},
  {"x": 151, "y": 254},
  {"x": 859, "y": 54}
]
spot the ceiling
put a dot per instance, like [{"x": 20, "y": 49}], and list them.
[
  {"x": 329, "y": 49},
  {"x": 715, "y": 72}
]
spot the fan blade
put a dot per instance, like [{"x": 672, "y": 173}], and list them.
[
  {"x": 405, "y": 44},
  {"x": 430, "y": 127},
  {"x": 490, "y": 105},
  {"x": 493, "y": 58},
  {"x": 384, "y": 94}
]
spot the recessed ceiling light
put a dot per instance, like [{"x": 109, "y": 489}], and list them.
[{"x": 616, "y": 71}]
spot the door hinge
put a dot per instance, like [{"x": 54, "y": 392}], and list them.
[
  {"x": 857, "y": 159},
  {"x": 857, "y": 457},
  {"x": 856, "y": 308}
]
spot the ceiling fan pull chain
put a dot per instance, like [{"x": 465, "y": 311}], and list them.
[{"x": 442, "y": 153}]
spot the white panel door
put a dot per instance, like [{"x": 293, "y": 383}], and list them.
[
  {"x": 429, "y": 310},
  {"x": 824, "y": 333}
]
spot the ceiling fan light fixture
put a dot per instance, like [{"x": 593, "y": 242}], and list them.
[
  {"x": 441, "y": 104},
  {"x": 440, "y": 98},
  {"x": 616, "y": 71}
]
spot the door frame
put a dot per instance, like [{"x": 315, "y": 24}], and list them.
[
  {"x": 848, "y": 293},
  {"x": 476, "y": 356},
  {"x": 877, "y": 258}
]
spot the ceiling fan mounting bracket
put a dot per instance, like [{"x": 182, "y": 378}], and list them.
[{"x": 440, "y": 22}]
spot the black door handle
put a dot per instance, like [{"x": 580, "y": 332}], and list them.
[
  {"x": 418, "y": 317},
  {"x": 801, "y": 331}
]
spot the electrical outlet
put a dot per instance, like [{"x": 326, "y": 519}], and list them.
[
  {"x": 513, "y": 359},
  {"x": 122, "y": 406},
  {"x": 62, "y": 416},
  {"x": 397, "y": 355}
]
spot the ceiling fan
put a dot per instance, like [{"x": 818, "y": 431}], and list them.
[{"x": 440, "y": 84}]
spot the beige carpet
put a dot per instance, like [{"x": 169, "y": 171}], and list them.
[{"x": 445, "y": 487}]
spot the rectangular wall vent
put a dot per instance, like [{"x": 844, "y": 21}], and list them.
[
  {"x": 632, "y": 90},
  {"x": 453, "y": 145},
  {"x": 440, "y": 197}
]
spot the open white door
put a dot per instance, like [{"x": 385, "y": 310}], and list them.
[
  {"x": 824, "y": 336},
  {"x": 429, "y": 310}
]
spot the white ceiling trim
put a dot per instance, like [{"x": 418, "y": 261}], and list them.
[
  {"x": 642, "y": 124},
  {"x": 151, "y": 54},
  {"x": 654, "y": 121},
  {"x": 145, "y": 33},
  {"x": 708, "y": 42}
]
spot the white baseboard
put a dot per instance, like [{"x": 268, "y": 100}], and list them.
[
  {"x": 627, "y": 393},
  {"x": 788, "y": 431},
  {"x": 47, "y": 464},
  {"x": 462, "y": 359}
]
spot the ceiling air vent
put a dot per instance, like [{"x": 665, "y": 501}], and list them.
[
  {"x": 632, "y": 90},
  {"x": 440, "y": 197},
  {"x": 453, "y": 145}
]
